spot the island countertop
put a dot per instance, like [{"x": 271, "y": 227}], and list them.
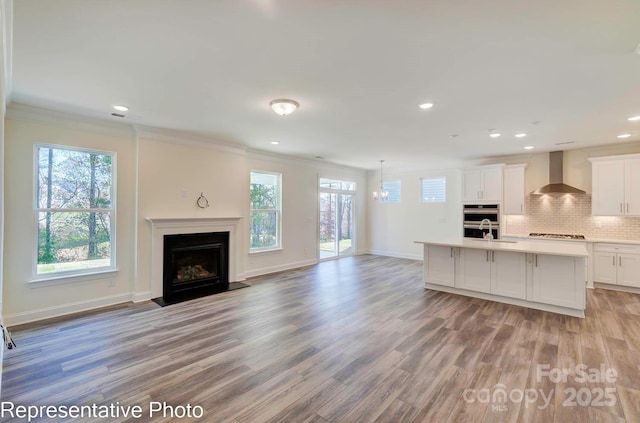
[{"x": 532, "y": 247}]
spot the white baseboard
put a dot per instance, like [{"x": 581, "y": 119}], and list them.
[
  {"x": 49, "y": 312},
  {"x": 279, "y": 268},
  {"x": 395, "y": 254},
  {"x": 138, "y": 297}
]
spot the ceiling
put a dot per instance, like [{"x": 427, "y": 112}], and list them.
[{"x": 359, "y": 70}]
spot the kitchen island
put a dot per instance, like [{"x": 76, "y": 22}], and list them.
[{"x": 542, "y": 275}]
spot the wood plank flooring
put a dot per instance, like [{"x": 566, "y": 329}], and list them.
[{"x": 353, "y": 340}]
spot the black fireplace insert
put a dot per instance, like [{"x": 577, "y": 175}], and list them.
[{"x": 195, "y": 265}]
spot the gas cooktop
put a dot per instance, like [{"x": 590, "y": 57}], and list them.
[{"x": 556, "y": 236}]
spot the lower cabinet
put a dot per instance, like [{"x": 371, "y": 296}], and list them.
[
  {"x": 558, "y": 281},
  {"x": 616, "y": 264},
  {"x": 537, "y": 279},
  {"x": 439, "y": 266},
  {"x": 496, "y": 272}
]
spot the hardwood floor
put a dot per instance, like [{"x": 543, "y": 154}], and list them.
[{"x": 353, "y": 340}]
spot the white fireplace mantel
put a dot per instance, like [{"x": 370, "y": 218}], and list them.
[{"x": 162, "y": 226}]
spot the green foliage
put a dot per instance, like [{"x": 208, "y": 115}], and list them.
[{"x": 70, "y": 182}]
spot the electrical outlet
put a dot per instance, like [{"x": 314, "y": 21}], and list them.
[
  {"x": 183, "y": 193},
  {"x": 598, "y": 225},
  {"x": 112, "y": 283}
]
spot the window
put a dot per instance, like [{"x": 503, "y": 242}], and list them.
[
  {"x": 265, "y": 189},
  {"x": 433, "y": 190},
  {"x": 337, "y": 184},
  {"x": 74, "y": 210},
  {"x": 393, "y": 188}
]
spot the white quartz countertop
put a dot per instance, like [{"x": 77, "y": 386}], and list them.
[
  {"x": 599, "y": 240},
  {"x": 532, "y": 247}
]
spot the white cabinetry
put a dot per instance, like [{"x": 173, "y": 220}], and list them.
[
  {"x": 514, "y": 194},
  {"x": 616, "y": 264},
  {"x": 616, "y": 185},
  {"x": 496, "y": 272},
  {"x": 439, "y": 266},
  {"x": 482, "y": 184},
  {"x": 558, "y": 281}
]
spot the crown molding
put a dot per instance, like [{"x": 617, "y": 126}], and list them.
[
  {"x": 29, "y": 113},
  {"x": 188, "y": 139},
  {"x": 253, "y": 153}
]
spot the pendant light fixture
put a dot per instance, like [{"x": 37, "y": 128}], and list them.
[
  {"x": 283, "y": 106},
  {"x": 381, "y": 194}
]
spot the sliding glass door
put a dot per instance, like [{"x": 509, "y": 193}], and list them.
[{"x": 337, "y": 228}]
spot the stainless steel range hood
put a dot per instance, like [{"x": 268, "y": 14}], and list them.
[{"x": 556, "y": 183}]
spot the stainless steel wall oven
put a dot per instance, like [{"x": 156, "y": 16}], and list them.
[{"x": 474, "y": 214}]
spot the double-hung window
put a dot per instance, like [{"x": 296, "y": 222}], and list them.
[
  {"x": 74, "y": 210},
  {"x": 266, "y": 215}
]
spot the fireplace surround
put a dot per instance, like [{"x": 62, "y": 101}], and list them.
[{"x": 183, "y": 229}]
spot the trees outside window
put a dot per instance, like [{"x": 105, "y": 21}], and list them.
[
  {"x": 74, "y": 209},
  {"x": 265, "y": 200}
]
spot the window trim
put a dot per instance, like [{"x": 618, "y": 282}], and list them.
[
  {"x": 278, "y": 246},
  {"x": 57, "y": 276},
  {"x": 421, "y": 193}
]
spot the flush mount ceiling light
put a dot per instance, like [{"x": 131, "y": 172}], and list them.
[
  {"x": 275, "y": 142},
  {"x": 284, "y": 107},
  {"x": 529, "y": 147},
  {"x": 120, "y": 108},
  {"x": 495, "y": 134},
  {"x": 624, "y": 135},
  {"x": 424, "y": 106},
  {"x": 634, "y": 118},
  {"x": 521, "y": 135}
]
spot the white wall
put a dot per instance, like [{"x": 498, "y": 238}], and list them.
[
  {"x": 26, "y": 301},
  {"x": 172, "y": 172},
  {"x": 159, "y": 174},
  {"x": 393, "y": 227},
  {"x": 6, "y": 19},
  {"x": 300, "y": 210}
]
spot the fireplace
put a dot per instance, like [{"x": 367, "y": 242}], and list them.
[
  {"x": 195, "y": 240},
  {"x": 195, "y": 265}
]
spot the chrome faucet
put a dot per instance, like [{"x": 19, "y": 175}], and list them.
[{"x": 489, "y": 236}]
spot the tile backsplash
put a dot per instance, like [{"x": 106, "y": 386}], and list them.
[{"x": 570, "y": 214}]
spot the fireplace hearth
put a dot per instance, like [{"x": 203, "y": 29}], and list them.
[{"x": 195, "y": 265}]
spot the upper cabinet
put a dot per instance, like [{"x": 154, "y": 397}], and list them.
[
  {"x": 615, "y": 185},
  {"x": 514, "y": 194},
  {"x": 482, "y": 184}
]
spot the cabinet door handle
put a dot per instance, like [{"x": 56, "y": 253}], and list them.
[
  {"x": 627, "y": 207},
  {"x": 451, "y": 252},
  {"x": 620, "y": 207},
  {"x": 536, "y": 257},
  {"x": 521, "y": 207},
  {"x": 493, "y": 256},
  {"x": 614, "y": 260},
  {"x": 620, "y": 260}
]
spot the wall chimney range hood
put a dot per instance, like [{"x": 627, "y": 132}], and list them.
[{"x": 556, "y": 184}]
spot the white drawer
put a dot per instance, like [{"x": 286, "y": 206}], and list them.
[{"x": 616, "y": 248}]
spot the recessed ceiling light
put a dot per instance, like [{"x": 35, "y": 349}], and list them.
[
  {"x": 536, "y": 122},
  {"x": 426, "y": 105},
  {"x": 634, "y": 118},
  {"x": 275, "y": 142},
  {"x": 454, "y": 136},
  {"x": 521, "y": 135},
  {"x": 495, "y": 134},
  {"x": 624, "y": 135},
  {"x": 120, "y": 108},
  {"x": 529, "y": 147}
]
